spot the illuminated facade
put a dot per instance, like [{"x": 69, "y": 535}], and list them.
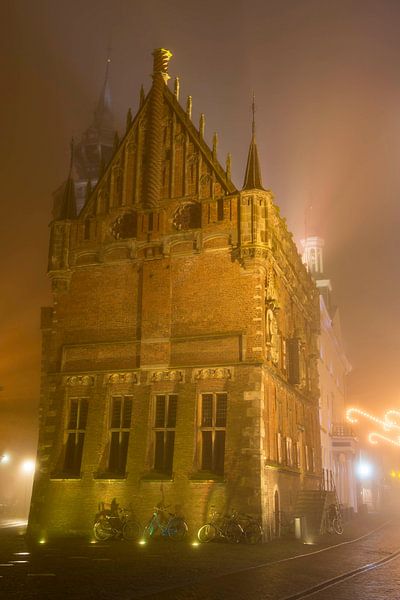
[
  {"x": 338, "y": 443},
  {"x": 180, "y": 353}
]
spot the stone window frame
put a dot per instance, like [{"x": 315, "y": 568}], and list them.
[
  {"x": 289, "y": 451},
  {"x": 297, "y": 454},
  {"x": 279, "y": 453},
  {"x": 122, "y": 429},
  {"x": 214, "y": 428},
  {"x": 165, "y": 429},
  {"x": 307, "y": 458},
  {"x": 75, "y": 427}
]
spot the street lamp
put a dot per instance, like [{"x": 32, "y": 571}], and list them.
[
  {"x": 27, "y": 468},
  {"x": 364, "y": 470},
  {"x": 4, "y": 458}
]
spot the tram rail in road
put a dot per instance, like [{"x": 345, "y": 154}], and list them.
[
  {"x": 298, "y": 595},
  {"x": 328, "y": 583}
]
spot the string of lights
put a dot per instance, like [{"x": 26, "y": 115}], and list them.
[{"x": 389, "y": 423}]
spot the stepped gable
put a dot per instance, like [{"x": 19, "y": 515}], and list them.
[{"x": 179, "y": 165}]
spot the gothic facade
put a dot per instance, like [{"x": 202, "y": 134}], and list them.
[
  {"x": 339, "y": 447},
  {"x": 180, "y": 351}
]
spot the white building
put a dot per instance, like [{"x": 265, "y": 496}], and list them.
[{"x": 339, "y": 445}]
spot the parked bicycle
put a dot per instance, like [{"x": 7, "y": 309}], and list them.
[
  {"x": 167, "y": 524},
  {"x": 334, "y": 519},
  {"x": 112, "y": 521},
  {"x": 220, "y": 527},
  {"x": 252, "y": 530}
]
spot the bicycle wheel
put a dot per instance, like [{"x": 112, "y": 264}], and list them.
[
  {"x": 233, "y": 532},
  {"x": 253, "y": 533},
  {"x": 177, "y": 529},
  {"x": 131, "y": 531},
  {"x": 207, "y": 533},
  {"x": 102, "y": 531},
  {"x": 337, "y": 525}
]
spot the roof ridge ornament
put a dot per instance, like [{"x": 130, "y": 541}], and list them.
[{"x": 160, "y": 64}]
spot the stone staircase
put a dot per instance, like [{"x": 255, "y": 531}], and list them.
[{"x": 311, "y": 504}]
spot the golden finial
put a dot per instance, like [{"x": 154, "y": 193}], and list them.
[
  {"x": 160, "y": 66},
  {"x": 228, "y": 165},
  {"x": 202, "y": 125},
  {"x": 215, "y": 144},
  {"x": 176, "y": 87},
  {"x": 253, "y": 110},
  {"x": 189, "y": 107},
  {"x": 142, "y": 96}
]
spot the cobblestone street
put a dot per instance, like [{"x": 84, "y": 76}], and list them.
[{"x": 161, "y": 569}]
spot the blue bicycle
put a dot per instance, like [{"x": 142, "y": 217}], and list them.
[{"x": 167, "y": 524}]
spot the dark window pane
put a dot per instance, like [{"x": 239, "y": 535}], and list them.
[
  {"x": 123, "y": 452},
  {"x": 127, "y": 414},
  {"x": 160, "y": 412},
  {"x": 293, "y": 360},
  {"x": 113, "y": 460},
  {"x": 73, "y": 453},
  {"x": 206, "y": 454},
  {"x": 220, "y": 209},
  {"x": 219, "y": 452},
  {"x": 79, "y": 453},
  {"x": 159, "y": 451},
  {"x": 73, "y": 414},
  {"x": 169, "y": 451},
  {"x": 69, "y": 453},
  {"x": 83, "y": 413},
  {"x": 171, "y": 421},
  {"x": 116, "y": 413},
  {"x": 206, "y": 411},
  {"x": 220, "y": 418}
]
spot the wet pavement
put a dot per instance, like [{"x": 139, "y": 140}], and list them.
[{"x": 162, "y": 569}]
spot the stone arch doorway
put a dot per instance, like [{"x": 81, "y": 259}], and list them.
[{"x": 276, "y": 514}]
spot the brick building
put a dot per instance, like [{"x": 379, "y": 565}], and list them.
[{"x": 180, "y": 353}]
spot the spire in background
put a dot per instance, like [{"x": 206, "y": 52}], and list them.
[
  {"x": 103, "y": 118},
  {"x": 252, "y": 178},
  {"x": 96, "y": 145},
  {"x": 68, "y": 203}
]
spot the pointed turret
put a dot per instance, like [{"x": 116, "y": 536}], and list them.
[{"x": 252, "y": 178}]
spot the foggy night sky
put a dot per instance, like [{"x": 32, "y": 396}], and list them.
[{"x": 327, "y": 81}]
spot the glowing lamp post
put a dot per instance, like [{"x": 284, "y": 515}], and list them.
[
  {"x": 28, "y": 469},
  {"x": 364, "y": 470}
]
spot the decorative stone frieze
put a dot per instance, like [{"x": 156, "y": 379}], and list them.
[
  {"x": 74, "y": 380},
  {"x": 167, "y": 375},
  {"x": 129, "y": 377},
  {"x": 213, "y": 373}
]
